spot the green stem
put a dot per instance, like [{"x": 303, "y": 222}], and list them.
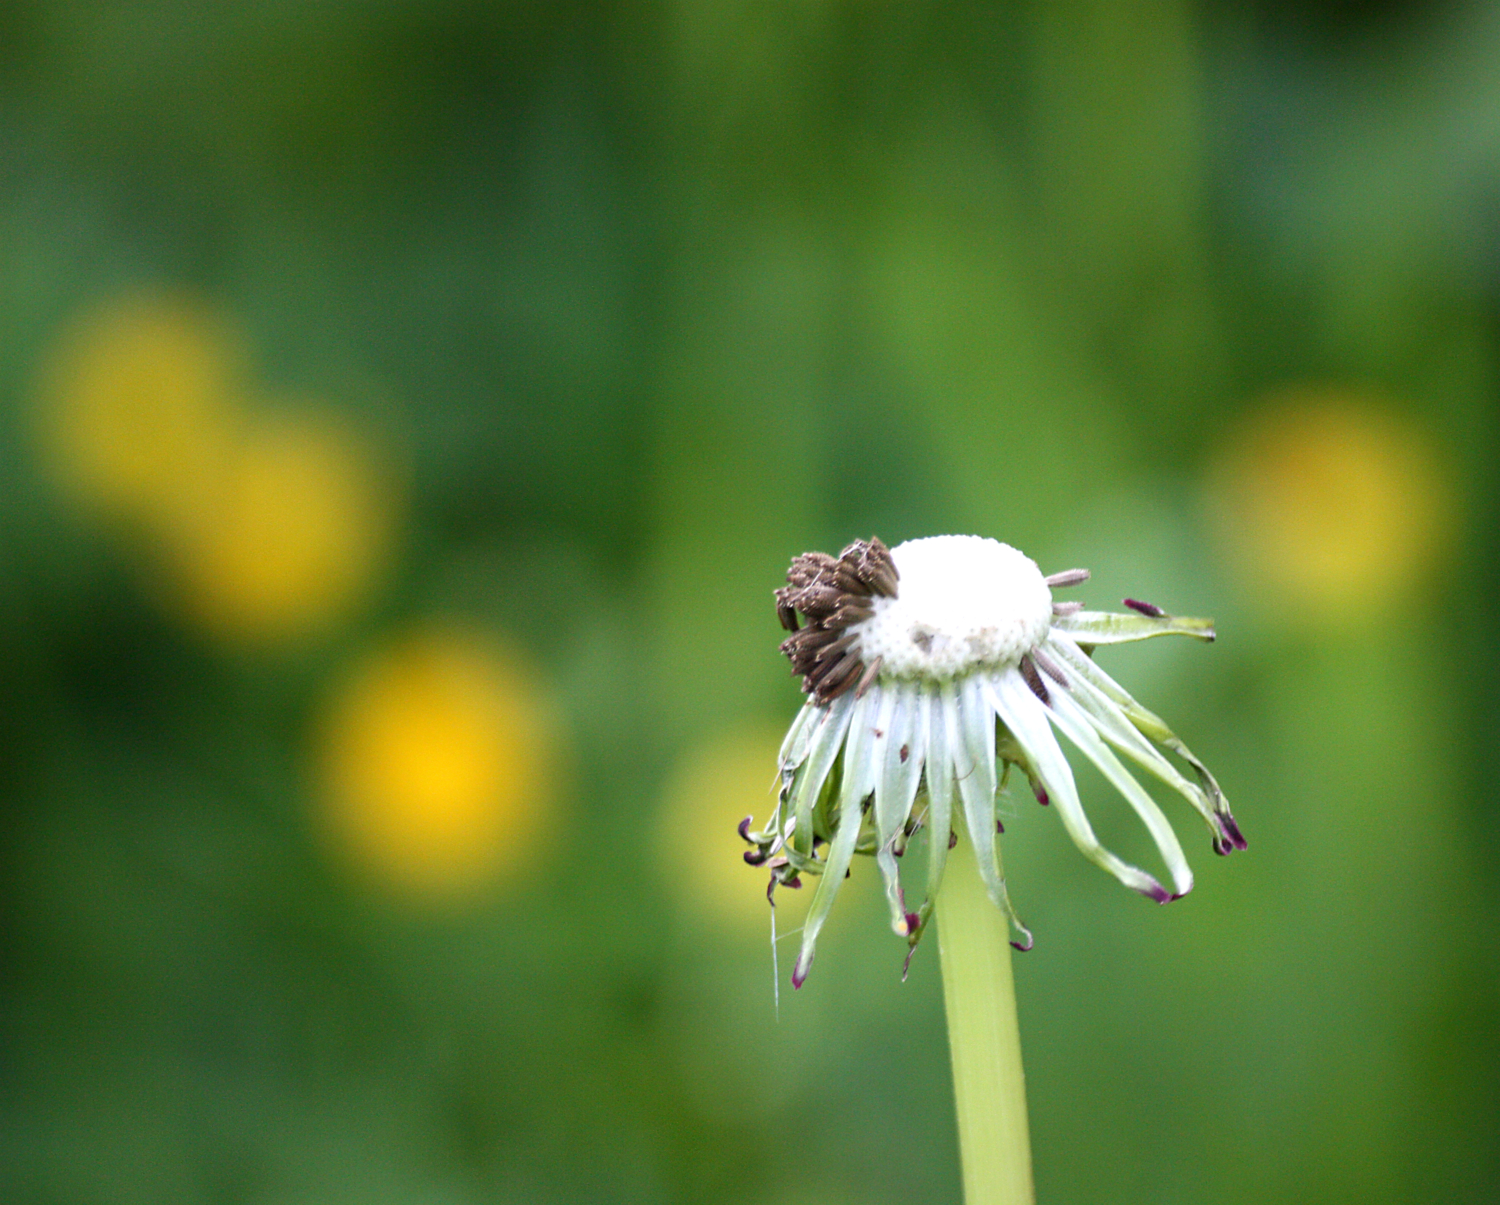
[{"x": 983, "y": 1036}]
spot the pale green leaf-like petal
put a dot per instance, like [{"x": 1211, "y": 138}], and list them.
[
  {"x": 977, "y": 784},
  {"x": 1110, "y": 627},
  {"x": 1024, "y": 714},
  {"x": 799, "y": 737},
  {"x": 827, "y": 739},
  {"x": 1070, "y": 718},
  {"x": 1149, "y": 723},
  {"x": 939, "y": 788},
  {"x": 893, "y": 723},
  {"x": 1114, "y": 725},
  {"x": 858, "y": 782},
  {"x": 890, "y": 725},
  {"x": 896, "y": 790}
]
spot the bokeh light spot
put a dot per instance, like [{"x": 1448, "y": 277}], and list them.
[
  {"x": 435, "y": 765},
  {"x": 1331, "y": 502},
  {"x": 137, "y": 405},
  {"x": 297, "y": 527}
]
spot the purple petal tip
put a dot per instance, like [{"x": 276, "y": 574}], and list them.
[
  {"x": 744, "y": 828},
  {"x": 1156, "y": 892},
  {"x": 754, "y": 857},
  {"x": 799, "y": 977}
]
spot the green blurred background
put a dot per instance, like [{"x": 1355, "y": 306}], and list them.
[{"x": 408, "y": 409}]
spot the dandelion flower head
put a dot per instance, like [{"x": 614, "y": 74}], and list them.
[{"x": 933, "y": 669}]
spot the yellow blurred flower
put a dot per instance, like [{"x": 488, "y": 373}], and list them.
[
  {"x": 1331, "y": 502},
  {"x": 261, "y": 525},
  {"x": 435, "y": 765},
  {"x": 713, "y": 787},
  {"x": 297, "y": 525},
  {"x": 137, "y": 404}
]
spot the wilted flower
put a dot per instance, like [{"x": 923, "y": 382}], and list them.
[{"x": 927, "y": 665}]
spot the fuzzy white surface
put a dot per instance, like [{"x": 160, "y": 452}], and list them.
[{"x": 962, "y": 602}]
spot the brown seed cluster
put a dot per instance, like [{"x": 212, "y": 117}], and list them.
[{"x": 833, "y": 594}]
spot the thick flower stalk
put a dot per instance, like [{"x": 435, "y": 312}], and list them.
[{"x": 934, "y": 668}]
